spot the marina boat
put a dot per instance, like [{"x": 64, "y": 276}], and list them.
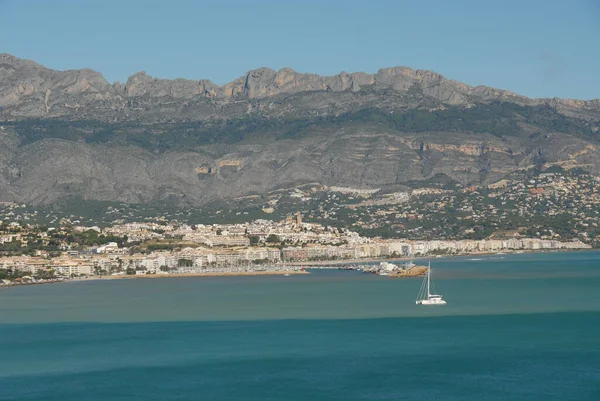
[{"x": 425, "y": 296}]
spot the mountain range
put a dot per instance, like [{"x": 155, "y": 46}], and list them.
[{"x": 67, "y": 134}]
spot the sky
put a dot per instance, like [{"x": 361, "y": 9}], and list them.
[{"x": 536, "y": 48}]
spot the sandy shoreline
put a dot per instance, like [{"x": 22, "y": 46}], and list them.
[
  {"x": 307, "y": 264},
  {"x": 156, "y": 276},
  {"x": 32, "y": 283},
  {"x": 208, "y": 274}
]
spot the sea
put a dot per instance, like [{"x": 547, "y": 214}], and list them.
[{"x": 516, "y": 327}]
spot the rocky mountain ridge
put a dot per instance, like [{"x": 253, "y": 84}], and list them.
[
  {"x": 28, "y": 89},
  {"x": 73, "y": 134}
]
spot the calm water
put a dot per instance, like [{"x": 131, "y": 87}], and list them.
[{"x": 518, "y": 327}]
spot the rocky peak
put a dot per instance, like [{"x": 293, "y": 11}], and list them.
[
  {"x": 86, "y": 80},
  {"x": 142, "y": 84},
  {"x": 137, "y": 84},
  {"x": 8, "y": 61},
  {"x": 265, "y": 82},
  {"x": 21, "y": 80}
]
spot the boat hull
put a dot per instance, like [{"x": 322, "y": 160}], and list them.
[{"x": 431, "y": 302}]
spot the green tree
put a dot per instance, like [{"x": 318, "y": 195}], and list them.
[
  {"x": 185, "y": 263},
  {"x": 45, "y": 274},
  {"x": 273, "y": 239}
]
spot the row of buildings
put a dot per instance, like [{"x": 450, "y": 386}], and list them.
[{"x": 111, "y": 259}]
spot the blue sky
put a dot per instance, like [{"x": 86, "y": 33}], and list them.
[{"x": 536, "y": 48}]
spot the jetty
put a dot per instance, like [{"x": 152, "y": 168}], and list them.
[
  {"x": 395, "y": 271},
  {"x": 413, "y": 271}
]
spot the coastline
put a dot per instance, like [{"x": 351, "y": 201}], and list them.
[
  {"x": 307, "y": 264},
  {"x": 54, "y": 281},
  {"x": 207, "y": 274},
  {"x": 157, "y": 276}
]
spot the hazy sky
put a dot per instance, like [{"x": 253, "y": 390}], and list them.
[{"x": 536, "y": 48}]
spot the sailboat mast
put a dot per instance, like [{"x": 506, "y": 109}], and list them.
[{"x": 428, "y": 278}]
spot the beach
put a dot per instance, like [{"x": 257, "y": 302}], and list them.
[
  {"x": 307, "y": 264},
  {"x": 207, "y": 274}
]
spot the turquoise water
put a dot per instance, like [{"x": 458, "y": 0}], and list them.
[{"x": 516, "y": 327}]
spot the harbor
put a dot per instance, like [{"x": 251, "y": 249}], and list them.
[{"x": 392, "y": 270}]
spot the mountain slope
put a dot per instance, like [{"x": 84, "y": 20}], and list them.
[{"x": 71, "y": 133}]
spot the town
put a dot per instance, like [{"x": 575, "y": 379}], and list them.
[
  {"x": 554, "y": 209},
  {"x": 554, "y": 204},
  {"x": 260, "y": 246}
]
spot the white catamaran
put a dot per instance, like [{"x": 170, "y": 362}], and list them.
[{"x": 425, "y": 296}]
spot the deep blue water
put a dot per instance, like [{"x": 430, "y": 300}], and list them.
[{"x": 525, "y": 327}]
